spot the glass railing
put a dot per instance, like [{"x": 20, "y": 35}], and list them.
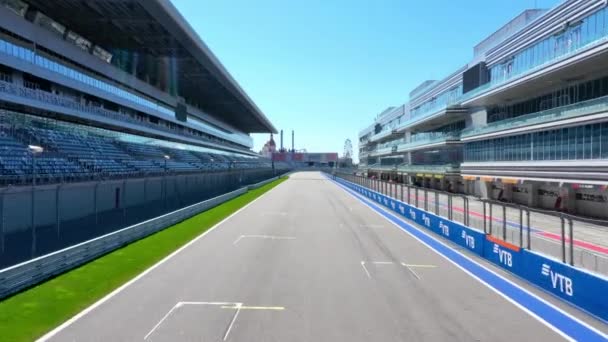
[
  {"x": 515, "y": 75},
  {"x": 413, "y": 120},
  {"x": 30, "y": 56},
  {"x": 418, "y": 92},
  {"x": 383, "y": 134},
  {"x": 422, "y": 139},
  {"x": 570, "y": 111},
  {"x": 429, "y": 168},
  {"x": 52, "y": 99}
]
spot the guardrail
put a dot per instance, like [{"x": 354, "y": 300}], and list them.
[
  {"x": 31, "y": 272},
  {"x": 574, "y": 285}
]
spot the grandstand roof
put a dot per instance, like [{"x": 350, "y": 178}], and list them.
[{"x": 155, "y": 30}]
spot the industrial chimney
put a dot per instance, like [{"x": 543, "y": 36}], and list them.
[
  {"x": 281, "y": 150},
  {"x": 292, "y": 143}
]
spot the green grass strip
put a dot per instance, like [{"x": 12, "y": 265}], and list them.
[{"x": 29, "y": 314}]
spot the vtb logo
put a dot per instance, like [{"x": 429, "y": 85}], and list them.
[
  {"x": 558, "y": 281},
  {"x": 413, "y": 214},
  {"x": 445, "y": 229},
  {"x": 426, "y": 220},
  {"x": 469, "y": 240},
  {"x": 504, "y": 257}
]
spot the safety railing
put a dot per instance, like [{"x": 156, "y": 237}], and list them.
[
  {"x": 561, "y": 113},
  {"x": 575, "y": 285},
  {"x": 428, "y": 139},
  {"x": 550, "y": 233}
]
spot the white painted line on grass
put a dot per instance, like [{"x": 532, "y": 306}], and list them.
[{"x": 70, "y": 321}]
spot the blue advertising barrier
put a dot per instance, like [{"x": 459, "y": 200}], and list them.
[
  {"x": 464, "y": 236},
  {"x": 580, "y": 288},
  {"x": 504, "y": 254}
]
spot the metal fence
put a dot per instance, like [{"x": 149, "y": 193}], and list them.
[
  {"x": 567, "y": 238},
  {"x": 31, "y": 272},
  {"x": 35, "y": 221}
]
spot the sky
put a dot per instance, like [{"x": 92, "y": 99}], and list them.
[{"x": 326, "y": 68}]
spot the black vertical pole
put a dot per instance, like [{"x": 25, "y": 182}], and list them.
[
  {"x": 466, "y": 210},
  {"x": 485, "y": 230},
  {"x": 571, "y": 229},
  {"x": 504, "y": 222},
  {"x": 563, "y": 221},
  {"x": 528, "y": 227},
  {"x": 521, "y": 228},
  {"x": 436, "y": 203},
  {"x": 491, "y": 219},
  {"x": 33, "y": 206}
]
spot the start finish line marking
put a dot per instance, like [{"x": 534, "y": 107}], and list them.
[
  {"x": 223, "y": 305},
  {"x": 269, "y": 237}
]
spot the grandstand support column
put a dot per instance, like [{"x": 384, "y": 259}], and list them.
[
  {"x": 95, "y": 206},
  {"x": 34, "y": 150},
  {"x": 57, "y": 212},
  {"x": 123, "y": 200},
  {"x": 165, "y": 183},
  {"x": 2, "y": 220}
]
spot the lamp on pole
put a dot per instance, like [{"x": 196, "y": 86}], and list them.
[{"x": 34, "y": 150}]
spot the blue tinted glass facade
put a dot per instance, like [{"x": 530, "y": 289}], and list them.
[
  {"x": 574, "y": 143},
  {"x": 29, "y": 56}
]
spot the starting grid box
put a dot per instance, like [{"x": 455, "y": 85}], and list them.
[{"x": 585, "y": 290}]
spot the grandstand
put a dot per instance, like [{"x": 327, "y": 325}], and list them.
[{"x": 94, "y": 105}]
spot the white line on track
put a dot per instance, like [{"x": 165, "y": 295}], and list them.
[
  {"x": 365, "y": 269},
  {"x": 269, "y": 237},
  {"x": 162, "y": 320},
  {"x": 236, "y": 314},
  {"x": 411, "y": 270},
  {"x": 70, "y": 321}
]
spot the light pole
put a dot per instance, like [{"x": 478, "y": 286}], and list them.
[
  {"x": 34, "y": 150},
  {"x": 167, "y": 157}
]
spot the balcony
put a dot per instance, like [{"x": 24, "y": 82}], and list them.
[
  {"x": 428, "y": 139},
  {"x": 386, "y": 148},
  {"x": 382, "y": 135},
  {"x": 589, "y": 107},
  {"x": 521, "y": 72},
  {"x": 445, "y": 168},
  {"x": 430, "y": 120}
]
